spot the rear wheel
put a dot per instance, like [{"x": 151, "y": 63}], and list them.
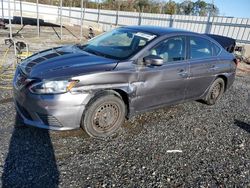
[
  {"x": 104, "y": 116},
  {"x": 215, "y": 92}
]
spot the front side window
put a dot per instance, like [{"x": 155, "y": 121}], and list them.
[
  {"x": 119, "y": 43},
  {"x": 200, "y": 48},
  {"x": 172, "y": 49}
]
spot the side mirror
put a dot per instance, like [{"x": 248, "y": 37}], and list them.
[{"x": 153, "y": 60}]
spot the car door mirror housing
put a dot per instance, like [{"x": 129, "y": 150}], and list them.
[{"x": 153, "y": 60}]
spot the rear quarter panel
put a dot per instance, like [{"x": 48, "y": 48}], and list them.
[{"x": 226, "y": 61}]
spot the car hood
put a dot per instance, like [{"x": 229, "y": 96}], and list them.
[{"x": 64, "y": 61}]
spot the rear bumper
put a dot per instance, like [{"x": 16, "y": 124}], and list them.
[
  {"x": 55, "y": 112},
  {"x": 230, "y": 79}
]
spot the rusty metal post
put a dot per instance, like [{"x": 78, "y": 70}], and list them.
[
  {"x": 2, "y": 10},
  {"x": 98, "y": 8},
  {"x": 70, "y": 9},
  {"x": 10, "y": 25},
  {"x": 117, "y": 13},
  {"x": 81, "y": 32},
  {"x": 14, "y": 5},
  {"x": 84, "y": 10},
  {"x": 61, "y": 32},
  {"x": 21, "y": 11},
  {"x": 37, "y": 16}
]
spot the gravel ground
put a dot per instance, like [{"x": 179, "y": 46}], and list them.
[{"x": 214, "y": 140}]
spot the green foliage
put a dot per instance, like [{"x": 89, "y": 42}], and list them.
[
  {"x": 199, "y": 8},
  {"x": 171, "y": 7},
  {"x": 186, "y": 7},
  {"x": 142, "y": 4}
]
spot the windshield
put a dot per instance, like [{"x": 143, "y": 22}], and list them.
[{"x": 119, "y": 43}]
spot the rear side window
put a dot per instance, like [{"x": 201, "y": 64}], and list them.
[
  {"x": 200, "y": 48},
  {"x": 216, "y": 49}
]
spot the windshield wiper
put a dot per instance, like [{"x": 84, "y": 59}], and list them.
[
  {"x": 84, "y": 48},
  {"x": 94, "y": 52}
]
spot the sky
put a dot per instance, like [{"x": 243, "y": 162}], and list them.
[{"x": 234, "y": 8}]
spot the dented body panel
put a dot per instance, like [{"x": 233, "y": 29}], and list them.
[{"x": 146, "y": 87}]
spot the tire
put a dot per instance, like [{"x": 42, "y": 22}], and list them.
[
  {"x": 104, "y": 115},
  {"x": 215, "y": 91}
]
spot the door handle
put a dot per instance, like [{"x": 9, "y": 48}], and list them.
[
  {"x": 213, "y": 68},
  {"x": 183, "y": 73}
]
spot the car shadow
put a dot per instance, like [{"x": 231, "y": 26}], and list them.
[
  {"x": 30, "y": 160},
  {"x": 242, "y": 125}
]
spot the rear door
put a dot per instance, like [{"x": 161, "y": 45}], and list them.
[{"x": 203, "y": 66}]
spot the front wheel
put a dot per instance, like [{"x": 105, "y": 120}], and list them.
[
  {"x": 104, "y": 116},
  {"x": 215, "y": 91}
]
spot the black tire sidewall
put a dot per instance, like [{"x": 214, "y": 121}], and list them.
[
  {"x": 210, "y": 101},
  {"x": 88, "y": 114}
]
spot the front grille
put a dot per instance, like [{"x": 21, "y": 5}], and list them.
[
  {"x": 49, "y": 120},
  {"x": 24, "y": 112}
]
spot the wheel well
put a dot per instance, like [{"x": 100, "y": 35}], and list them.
[
  {"x": 125, "y": 98},
  {"x": 225, "y": 80},
  {"x": 117, "y": 92}
]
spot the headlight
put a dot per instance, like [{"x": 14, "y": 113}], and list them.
[{"x": 52, "y": 87}]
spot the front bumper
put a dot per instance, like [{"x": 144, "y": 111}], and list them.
[{"x": 55, "y": 112}]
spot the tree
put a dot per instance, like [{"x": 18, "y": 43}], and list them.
[
  {"x": 142, "y": 4},
  {"x": 186, "y": 7},
  {"x": 212, "y": 9},
  {"x": 200, "y": 8},
  {"x": 171, "y": 7}
]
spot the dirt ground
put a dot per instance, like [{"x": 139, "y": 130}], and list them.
[
  {"x": 213, "y": 141},
  {"x": 48, "y": 39}
]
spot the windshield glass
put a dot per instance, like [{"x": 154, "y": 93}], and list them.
[{"x": 119, "y": 43}]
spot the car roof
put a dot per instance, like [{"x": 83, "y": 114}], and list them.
[
  {"x": 157, "y": 30},
  {"x": 160, "y": 31}
]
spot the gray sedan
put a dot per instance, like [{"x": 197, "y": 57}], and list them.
[{"x": 118, "y": 74}]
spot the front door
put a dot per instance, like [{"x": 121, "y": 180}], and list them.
[{"x": 166, "y": 84}]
